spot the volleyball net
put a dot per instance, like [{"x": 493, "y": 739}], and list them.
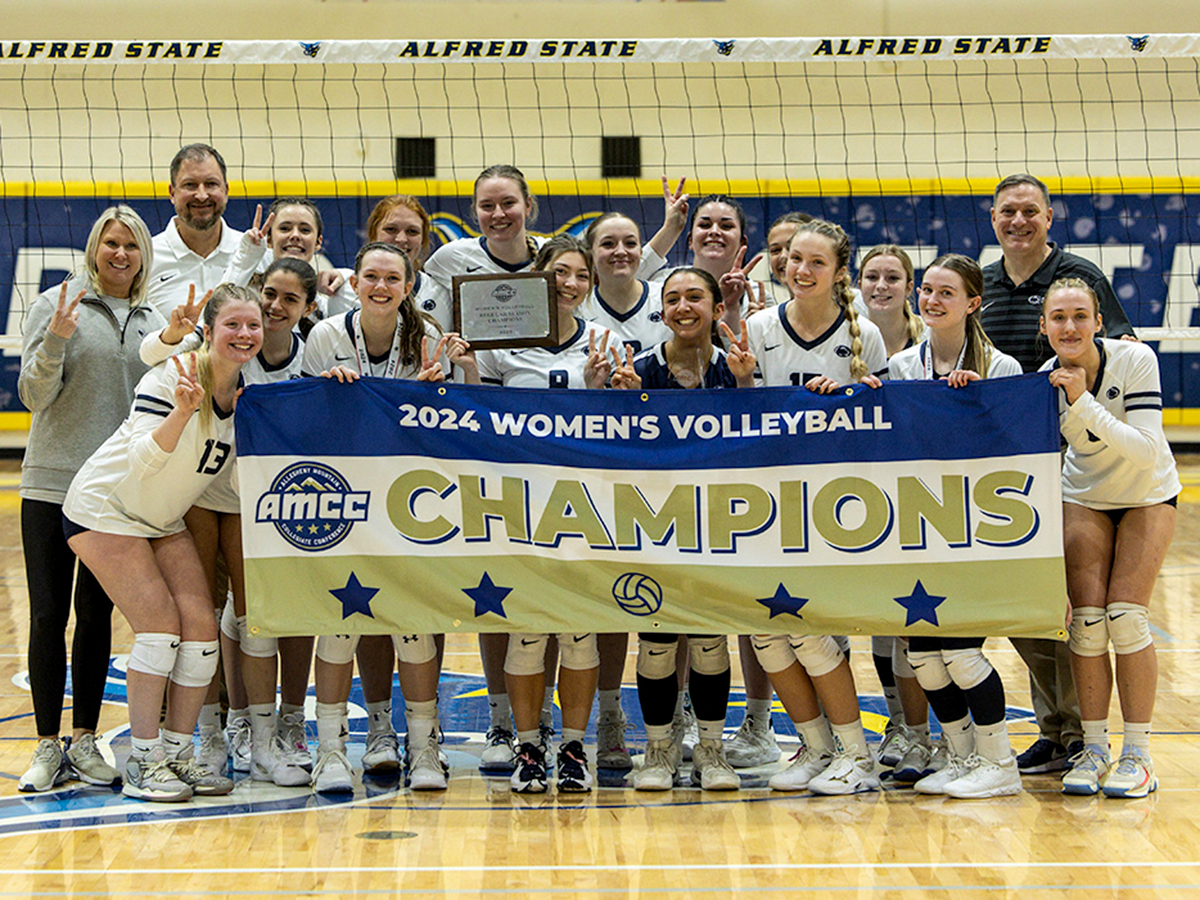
[{"x": 899, "y": 140}]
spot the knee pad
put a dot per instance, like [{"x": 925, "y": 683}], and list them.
[
  {"x": 229, "y": 622},
  {"x": 526, "y": 654},
  {"x": 195, "y": 663},
  {"x": 414, "y": 649},
  {"x": 154, "y": 653},
  {"x": 774, "y": 652},
  {"x": 930, "y": 669},
  {"x": 901, "y": 667},
  {"x": 1089, "y": 631},
  {"x": 967, "y": 668},
  {"x": 709, "y": 655},
  {"x": 843, "y": 643},
  {"x": 656, "y": 661},
  {"x": 578, "y": 651},
  {"x": 882, "y": 646},
  {"x": 1129, "y": 627},
  {"x": 337, "y": 649},
  {"x": 818, "y": 653},
  {"x": 255, "y": 646}
]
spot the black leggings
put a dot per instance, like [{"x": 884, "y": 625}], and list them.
[{"x": 49, "y": 571}]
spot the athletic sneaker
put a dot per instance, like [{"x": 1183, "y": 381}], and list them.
[
  {"x": 203, "y": 781},
  {"x": 611, "y": 752},
  {"x": 48, "y": 768},
  {"x": 151, "y": 777},
  {"x": 271, "y": 763},
  {"x": 499, "y": 751},
  {"x": 573, "y": 774},
  {"x": 660, "y": 767},
  {"x": 753, "y": 744},
  {"x": 293, "y": 733},
  {"x": 935, "y": 783},
  {"x": 1044, "y": 755},
  {"x": 237, "y": 736},
  {"x": 846, "y": 774},
  {"x": 710, "y": 770},
  {"x": 546, "y": 741},
  {"x": 88, "y": 765},
  {"x": 986, "y": 778},
  {"x": 424, "y": 768},
  {"x": 332, "y": 773},
  {"x": 803, "y": 768},
  {"x": 686, "y": 732},
  {"x": 1133, "y": 775},
  {"x": 529, "y": 774},
  {"x": 1087, "y": 771},
  {"x": 382, "y": 756},
  {"x": 1074, "y": 751},
  {"x": 915, "y": 764},
  {"x": 212, "y": 753},
  {"x": 894, "y": 745}
]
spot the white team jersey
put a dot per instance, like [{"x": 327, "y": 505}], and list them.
[
  {"x": 641, "y": 328},
  {"x": 541, "y": 367},
  {"x": 176, "y": 267},
  {"x": 909, "y": 364},
  {"x": 131, "y": 486},
  {"x": 434, "y": 300},
  {"x": 331, "y": 343},
  {"x": 1117, "y": 453},
  {"x": 785, "y": 358},
  {"x": 470, "y": 256}
]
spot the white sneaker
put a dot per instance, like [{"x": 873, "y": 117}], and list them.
[
  {"x": 1088, "y": 771},
  {"x": 935, "y": 783},
  {"x": 894, "y": 745},
  {"x": 499, "y": 750},
  {"x": 86, "y": 762},
  {"x": 802, "y": 768},
  {"x": 425, "y": 771},
  {"x": 203, "y": 780},
  {"x": 271, "y": 763},
  {"x": 753, "y": 744},
  {"x": 611, "y": 752},
  {"x": 47, "y": 769},
  {"x": 986, "y": 778},
  {"x": 846, "y": 774},
  {"x": 237, "y": 736},
  {"x": 710, "y": 770},
  {"x": 151, "y": 777},
  {"x": 212, "y": 753},
  {"x": 1132, "y": 776},
  {"x": 660, "y": 767},
  {"x": 293, "y": 734},
  {"x": 382, "y": 755},
  {"x": 916, "y": 763},
  {"x": 332, "y": 774}
]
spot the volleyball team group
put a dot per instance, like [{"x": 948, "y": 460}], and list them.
[{"x": 133, "y": 366}]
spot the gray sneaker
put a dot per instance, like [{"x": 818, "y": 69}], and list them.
[
  {"x": 88, "y": 765},
  {"x": 151, "y": 777},
  {"x": 753, "y": 744},
  {"x": 203, "y": 781},
  {"x": 47, "y": 769}
]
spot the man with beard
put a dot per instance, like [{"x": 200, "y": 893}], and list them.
[{"x": 197, "y": 245}]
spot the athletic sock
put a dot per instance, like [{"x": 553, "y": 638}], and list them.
[
  {"x": 851, "y": 737},
  {"x": 816, "y": 734},
  {"x": 991, "y": 741},
  {"x": 1137, "y": 735},
  {"x": 610, "y": 702},
  {"x": 1095, "y": 732}
]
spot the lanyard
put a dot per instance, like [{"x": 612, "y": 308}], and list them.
[
  {"x": 929, "y": 376},
  {"x": 360, "y": 345}
]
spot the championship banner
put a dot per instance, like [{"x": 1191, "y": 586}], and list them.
[{"x": 393, "y": 507}]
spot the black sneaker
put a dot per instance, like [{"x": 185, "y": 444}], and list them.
[
  {"x": 1044, "y": 756},
  {"x": 573, "y": 774},
  {"x": 529, "y": 776}
]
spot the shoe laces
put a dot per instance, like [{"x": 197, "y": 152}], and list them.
[
  {"x": 498, "y": 734},
  {"x": 47, "y": 751},
  {"x": 1129, "y": 763}
]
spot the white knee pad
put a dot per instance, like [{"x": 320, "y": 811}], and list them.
[
  {"x": 1129, "y": 627},
  {"x": 901, "y": 667},
  {"x": 255, "y": 646},
  {"x": 196, "y": 663},
  {"x": 656, "y": 661},
  {"x": 1089, "y": 631},
  {"x": 930, "y": 669},
  {"x": 337, "y": 649},
  {"x": 818, "y": 653},
  {"x": 709, "y": 655},
  {"x": 967, "y": 668},
  {"x": 229, "y": 622},
  {"x": 578, "y": 651},
  {"x": 882, "y": 646},
  {"x": 154, "y": 653},
  {"x": 414, "y": 649},
  {"x": 526, "y": 654},
  {"x": 774, "y": 651}
]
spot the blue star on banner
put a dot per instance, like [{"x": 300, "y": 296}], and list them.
[
  {"x": 355, "y": 598},
  {"x": 488, "y": 597},
  {"x": 920, "y": 605},
  {"x": 782, "y": 602}
]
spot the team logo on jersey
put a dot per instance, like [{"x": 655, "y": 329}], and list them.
[
  {"x": 1113, "y": 392},
  {"x": 637, "y": 594},
  {"x": 310, "y": 49},
  {"x": 429, "y": 305},
  {"x": 724, "y": 47},
  {"x": 655, "y": 316},
  {"x": 312, "y": 506},
  {"x": 1138, "y": 43},
  {"x": 1035, "y": 300},
  {"x": 842, "y": 350}
]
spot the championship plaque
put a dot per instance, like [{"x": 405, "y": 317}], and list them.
[{"x": 495, "y": 311}]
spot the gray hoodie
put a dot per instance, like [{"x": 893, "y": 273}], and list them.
[{"x": 79, "y": 390}]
